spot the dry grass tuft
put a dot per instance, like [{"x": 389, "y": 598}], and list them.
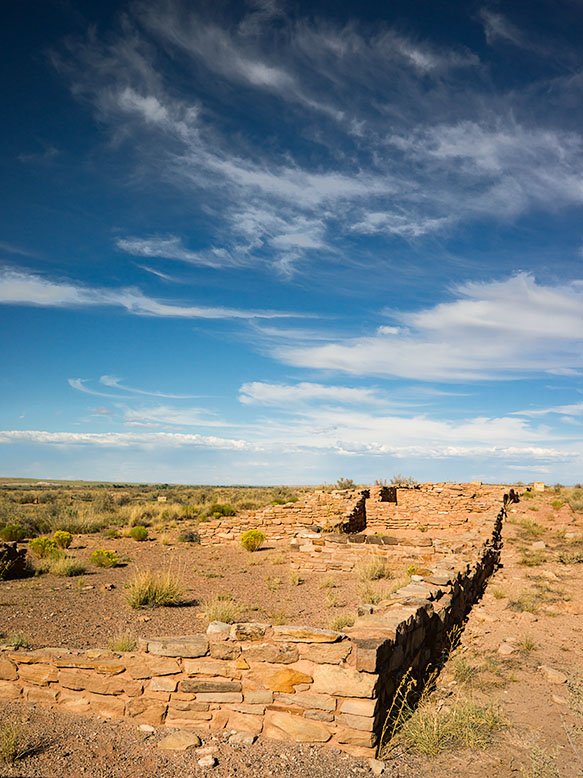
[
  {"x": 123, "y": 642},
  {"x": 221, "y": 607},
  {"x": 373, "y": 569},
  {"x": 152, "y": 589}
]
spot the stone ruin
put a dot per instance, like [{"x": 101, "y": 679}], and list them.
[{"x": 295, "y": 682}]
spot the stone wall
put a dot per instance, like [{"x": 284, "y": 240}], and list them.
[
  {"x": 343, "y": 509},
  {"x": 286, "y": 682}
]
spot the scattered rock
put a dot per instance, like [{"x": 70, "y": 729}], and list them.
[
  {"x": 107, "y": 587},
  {"x": 208, "y": 761},
  {"x": 147, "y": 728},
  {"x": 505, "y": 649},
  {"x": 559, "y": 700},
  {"x": 377, "y": 766},
  {"x": 179, "y": 741},
  {"x": 242, "y": 739},
  {"x": 538, "y": 545},
  {"x": 552, "y": 675}
]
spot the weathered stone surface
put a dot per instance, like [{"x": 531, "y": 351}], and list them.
[
  {"x": 190, "y": 646},
  {"x": 38, "y": 674},
  {"x": 327, "y": 653},
  {"x": 211, "y": 667},
  {"x": 8, "y": 670},
  {"x": 75, "y": 703},
  {"x": 220, "y": 697},
  {"x": 146, "y": 711},
  {"x": 164, "y": 683},
  {"x": 9, "y": 691},
  {"x": 282, "y": 653},
  {"x": 343, "y": 682},
  {"x": 281, "y": 680},
  {"x": 295, "y": 634},
  {"x": 196, "y": 685},
  {"x": 179, "y": 741},
  {"x": 359, "y": 707},
  {"x": 309, "y": 700},
  {"x": 318, "y": 715},
  {"x": 355, "y": 737},
  {"x": 108, "y": 707},
  {"x": 258, "y": 697},
  {"x": 224, "y": 650},
  {"x": 364, "y": 723},
  {"x": 377, "y": 766},
  {"x": 282, "y": 725},
  {"x": 244, "y": 722},
  {"x": 106, "y": 667},
  {"x": 207, "y": 761},
  {"x": 43, "y": 694},
  {"x": 148, "y": 667},
  {"x": 92, "y": 682},
  {"x": 248, "y": 631}
]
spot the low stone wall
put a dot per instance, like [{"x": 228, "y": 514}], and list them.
[
  {"x": 343, "y": 509},
  {"x": 286, "y": 682}
]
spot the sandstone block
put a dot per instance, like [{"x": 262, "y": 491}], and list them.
[
  {"x": 327, "y": 653},
  {"x": 43, "y": 694},
  {"x": 218, "y": 630},
  {"x": 206, "y": 685},
  {"x": 355, "y": 737},
  {"x": 258, "y": 697},
  {"x": 75, "y": 703},
  {"x": 281, "y": 680},
  {"x": 108, "y": 707},
  {"x": 211, "y": 667},
  {"x": 330, "y": 679},
  {"x": 188, "y": 705},
  {"x": 219, "y": 697},
  {"x": 38, "y": 674},
  {"x": 76, "y": 680},
  {"x": 99, "y": 666},
  {"x": 191, "y": 646},
  {"x": 146, "y": 711},
  {"x": 245, "y": 707},
  {"x": 282, "y": 653},
  {"x": 224, "y": 650},
  {"x": 282, "y": 726},
  {"x": 359, "y": 707},
  {"x": 244, "y": 722},
  {"x": 295, "y": 634},
  {"x": 242, "y": 739},
  {"x": 164, "y": 683},
  {"x": 363, "y": 723},
  {"x": 8, "y": 671},
  {"x": 309, "y": 700},
  {"x": 248, "y": 631},
  {"x": 9, "y": 691},
  {"x": 318, "y": 715},
  {"x": 148, "y": 667}
]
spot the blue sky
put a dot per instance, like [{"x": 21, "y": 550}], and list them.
[{"x": 284, "y": 242}]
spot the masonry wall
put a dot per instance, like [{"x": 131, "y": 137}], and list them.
[
  {"x": 286, "y": 682},
  {"x": 343, "y": 509}
]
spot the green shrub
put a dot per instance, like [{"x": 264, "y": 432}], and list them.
[
  {"x": 112, "y": 533},
  {"x": 217, "y": 509},
  {"x": 63, "y": 539},
  {"x": 43, "y": 547},
  {"x": 102, "y": 558},
  {"x": 252, "y": 539},
  {"x": 139, "y": 533},
  {"x": 12, "y": 532},
  {"x": 556, "y": 504},
  {"x": 148, "y": 589},
  {"x": 345, "y": 483}
]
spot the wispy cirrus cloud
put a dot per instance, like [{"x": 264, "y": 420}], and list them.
[
  {"x": 123, "y": 439},
  {"x": 23, "y": 288},
  {"x": 290, "y": 395},
  {"x": 115, "y": 383},
  {"x": 498, "y": 330},
  {"x": 165, "y": 75}
]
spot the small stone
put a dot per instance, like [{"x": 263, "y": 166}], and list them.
[
  {"x": 538, "y": 545},
  {"x": 147, "y": 728},
  {"x": 208, "y": 761},
  {"x": 505, "y": 649},
  {"x": 179, "y": 741},
  {"x": 242, "y": 739},
  {"x": 377, "y": 766},
  {"x": 552, "y": 675},
  {"x": 559, "y": 700}
]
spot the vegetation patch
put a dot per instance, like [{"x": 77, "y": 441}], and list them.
[
  {"x": 152, "y": 589},
  {"x": 102, "y": 558},
  {"x": 252, "y": 540}
]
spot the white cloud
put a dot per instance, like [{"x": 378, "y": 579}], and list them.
[
  {"x": 494, "y": 330},
  {"x": 116, "y": 383},
  {"x": 23, "y": 288},
  {"x": 171, "y": 247},
  {"x": 123, "y": 439},
  {"x": 288, "y": 395}
]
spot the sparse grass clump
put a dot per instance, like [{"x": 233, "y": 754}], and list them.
[
  {"x": 295, "y": 578},
  {"x": 189, "y": 536},
  {"x": 463, "y": 671},
  {"x": 532, "y": 558},
  {"x": 123, "y": 642},
  {"x": 102, "y": 558},
  {"x": 371, "y": 596},
  {"x": 17, "y": 640},
  {"x": 527, "y": 644},
  {"x": 66, "y": 567},
  {"x": 12, "y": 533},
  {"x": 530, "y": 529},
  {"x": 217, "y": 510},
  {"x": 526, "y": 601},
  {"x": 373, "y": 569},
  {"x": 465, "y": 724},
  {"x": 273, "y": 583},
  {"x": 139, "y": 533},
  {"x": 15, "y": 744},
  {"x": 556, "y": 504},
  {"x": 328, "y": 583},
  {"x": 341, "y": 622},
  {"x": 153, "y": 589},
  {"x": 252, "y": 539},
  {"x": 221, "y": 607},
  {"x": 499, "y": 594}
]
